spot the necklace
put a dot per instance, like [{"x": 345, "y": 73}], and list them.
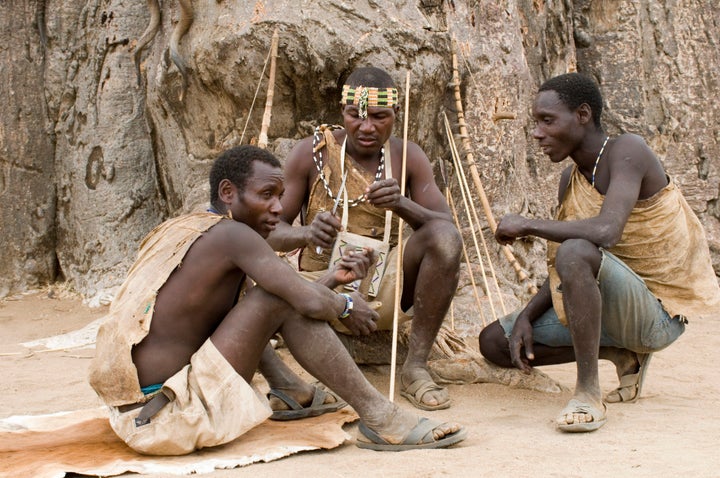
[
  {"x": 597, "y": 160},
  {"x": 318, "y": 159}
]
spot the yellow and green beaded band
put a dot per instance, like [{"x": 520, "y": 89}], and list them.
[{"x": 364, "y": 96}]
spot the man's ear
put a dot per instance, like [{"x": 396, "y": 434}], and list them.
[
  {"x": 584, "y": 113},
  {"x": 226, "y": 191}
]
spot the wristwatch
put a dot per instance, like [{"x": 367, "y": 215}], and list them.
[{"x": 348, "y": 307}]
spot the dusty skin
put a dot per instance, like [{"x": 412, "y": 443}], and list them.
[{"x": 673, "y": 429}]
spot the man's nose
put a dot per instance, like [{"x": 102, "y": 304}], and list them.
[
  {"x": 276, "y": 206},
  {"x": 537, "y": 132},
  {"x": 366, "y": 124}
]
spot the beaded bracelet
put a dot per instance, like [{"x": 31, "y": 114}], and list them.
[{"x": 348, "y": 307}]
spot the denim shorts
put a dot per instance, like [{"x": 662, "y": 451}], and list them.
[{"x": 632, "y": 317}]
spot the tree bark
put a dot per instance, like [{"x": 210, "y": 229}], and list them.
[{"x": 90, "y": 160}]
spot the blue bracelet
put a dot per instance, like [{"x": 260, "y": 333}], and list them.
[{"x": 348, "y": 307}]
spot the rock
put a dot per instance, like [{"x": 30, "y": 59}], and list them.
[
  {"x": 473, "y": 368},
  {"x": 90, "y": 160},
  {"x": 452, "y": 360}
]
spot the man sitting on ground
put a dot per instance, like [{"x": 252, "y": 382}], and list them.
[
  {"x": 371, "y": 156},
  {"x": 186, "y": 333}
]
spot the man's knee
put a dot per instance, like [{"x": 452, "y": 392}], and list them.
[
  {"x": 493, "y": 343},
  {"x": 257, "y": 299},
  {"x": 443, "y": 238},
  {"x": 573, "y": 253}
]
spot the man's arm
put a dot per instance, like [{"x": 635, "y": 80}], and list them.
[
  {"x": 297, "y": 174},
  {"x": 628, "y": 162},
  {"x": 425, "y": 200},
  {"x": 252, "y": 254},
  {"x": 521, "y": 335},
  {"x": 352, "y": 266}
]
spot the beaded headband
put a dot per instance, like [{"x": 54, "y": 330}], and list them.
[{"x": 364, "y": 96}]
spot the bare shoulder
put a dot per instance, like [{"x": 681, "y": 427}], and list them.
[
  {"x": 416, "y": 157},
  {"x": 224, "y": 247},
  {"x": 238, "y": 242},
  {"x": 630, "y": 154},
  {"x": 630, "y": 138},
  {"x": 631, "y": 145},
  {"x": 412, "y": 147},
  {"x": 415, "y": 151},
  {"x": 227, "y": 232},
  {"x": 300, "y": 154},
  {"x": 633, "y": 163}
]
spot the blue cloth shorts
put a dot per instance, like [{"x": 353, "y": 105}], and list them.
[{"x": 632, "y": 317}]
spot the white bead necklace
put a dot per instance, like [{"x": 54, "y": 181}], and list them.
[{"x": 597, "y": 160}]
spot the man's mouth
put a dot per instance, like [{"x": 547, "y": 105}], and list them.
[
  {"x": 366, "y": 141},
  {"x": 272, "y": 224}
]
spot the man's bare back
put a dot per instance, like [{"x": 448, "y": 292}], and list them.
[
  {"x": 199, "y": 344},
  {"x": 190, "y": 305}
]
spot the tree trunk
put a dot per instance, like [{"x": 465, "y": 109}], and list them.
[{"x": 91, "y": 158}]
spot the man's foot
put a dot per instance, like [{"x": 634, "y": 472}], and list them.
[
  {"x": 310, "y": 401},
  {"x": 631, "y": 378},
  {"x": 579, "y": 416},
  {"x": 419, "y": 388},
  {"x": 404, "y": 431}
]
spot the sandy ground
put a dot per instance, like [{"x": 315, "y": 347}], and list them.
[{"x": 673, "y": 429}]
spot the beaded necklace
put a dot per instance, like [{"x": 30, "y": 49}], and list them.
[
  {"x": 318, "y": 159},
  {"x": 597, "y": 160}
]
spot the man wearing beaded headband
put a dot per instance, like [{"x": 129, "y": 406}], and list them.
[
  {"x": 628, "y": 259},
  {"x": 431, "y": 255},
  {"x": 362, "y": 97}
]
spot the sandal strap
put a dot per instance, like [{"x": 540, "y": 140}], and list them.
[{"x": 289, "y": 401}]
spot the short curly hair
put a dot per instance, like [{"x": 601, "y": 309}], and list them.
[
  {"x": 236, "y": 164},
  {"x": 371, "y": 77},
  {"x": 574, "y": 89}
]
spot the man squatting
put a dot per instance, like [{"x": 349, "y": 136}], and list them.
[{"x": 628, "y": 261}]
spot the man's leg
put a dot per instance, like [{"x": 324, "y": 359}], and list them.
[
  {"x": 495, "y": 348},
  {"x": 637, "y": 322},
  {"x": 431, "y": 265},
  {"x": 241, "y": 338},
  {"x": 281, "y": 378},
  {"x": 634, "y": 324},
  {"x": 577, "y": 264}
]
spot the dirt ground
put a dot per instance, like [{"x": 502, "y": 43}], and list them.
[{"x": 673, "y": 429}]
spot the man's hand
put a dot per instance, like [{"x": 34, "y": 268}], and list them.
[
  {"x": 363, "y": 319},
  {"x": 510, "y": 228},
  {"x": 353, "y": 265},
  {"x": 323, "y": 230},
  {"x": 384, "y": 194},
  {"x": 521, "y": 338}
]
